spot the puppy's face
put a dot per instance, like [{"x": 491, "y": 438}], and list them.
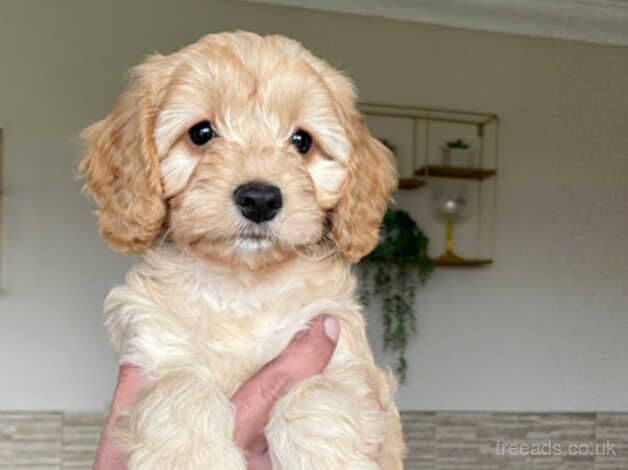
[{"x": 240, "y": 149}]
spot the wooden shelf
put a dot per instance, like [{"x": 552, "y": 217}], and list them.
[
  {"x": 463, "y": 263},
  {"x": 442, "y": 171},
  {"x": 410, "y": 183}
]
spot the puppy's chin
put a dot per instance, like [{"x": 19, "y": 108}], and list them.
[
  {"x": 253, "y": 253},
  {"x": 253, "y": 245}
]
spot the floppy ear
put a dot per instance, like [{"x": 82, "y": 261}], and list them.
[
  {"x": 371, "y": 173},
  {"x": 371, "y": 179},
  {"x": 121, "y": 166}
]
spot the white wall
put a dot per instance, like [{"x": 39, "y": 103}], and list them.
[{"x": 545, "y": 328}]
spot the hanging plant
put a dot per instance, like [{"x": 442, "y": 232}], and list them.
[{"x": 392, "y": 273}]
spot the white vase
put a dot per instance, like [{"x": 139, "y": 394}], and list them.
[{"x": 457, "y": 157}]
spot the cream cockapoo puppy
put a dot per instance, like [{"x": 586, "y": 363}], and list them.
[{"x": 241, "y": 171}]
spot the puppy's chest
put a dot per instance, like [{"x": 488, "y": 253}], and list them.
[
  {"x": 244, "y": 320},
  {"x": 232, "y": 332}
]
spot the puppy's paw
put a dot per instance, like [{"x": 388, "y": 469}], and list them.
[
  {"x": 330, "y": 422},
  {"x": 182, "y": 423}
]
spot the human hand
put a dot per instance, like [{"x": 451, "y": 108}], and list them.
[{"x": 307, "y": 355}]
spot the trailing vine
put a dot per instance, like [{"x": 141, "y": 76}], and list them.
[{"x": 392, "y": 273}]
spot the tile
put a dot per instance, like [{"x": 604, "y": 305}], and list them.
[
  {"x": 81, "y": 433},
  {"x": 419, "y": 431},
  {"x": 30, "y": 440},
  {"x": 512, "y": 441},
  {"x": 435, "y": 440},
  {"x": 612, "y": 441}
]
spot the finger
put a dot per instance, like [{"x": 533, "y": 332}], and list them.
[
  {"x": 308, "y": 354},
  {"x": 260, "y": 462},
  {"x": 108, "y": 456},
  {"x": 130, "y": 381}
]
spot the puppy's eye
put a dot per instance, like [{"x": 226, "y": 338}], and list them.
[
  {"x": 302, "y": 141},
  {"x": 201, "y": 133}
]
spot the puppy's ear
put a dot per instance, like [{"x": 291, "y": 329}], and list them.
[
  {"x": 370, "y": 181},
  {"x": 371, "y": 178},
  {"x": 121, "y": 166}
]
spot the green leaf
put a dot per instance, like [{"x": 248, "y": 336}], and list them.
[{"x": 401, "y": 264}]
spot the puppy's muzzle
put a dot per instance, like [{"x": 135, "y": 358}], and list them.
[{"x": 257, "y": 201}]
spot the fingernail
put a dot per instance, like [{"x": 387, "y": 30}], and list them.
[{"x": 332, "y": 329}]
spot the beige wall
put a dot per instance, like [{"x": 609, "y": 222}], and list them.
[{"x": 545, "y": 328}]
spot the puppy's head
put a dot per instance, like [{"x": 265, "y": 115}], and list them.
[{"x": 241, "y": 149}]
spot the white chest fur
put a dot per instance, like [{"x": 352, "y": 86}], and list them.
[{"x": 176, "y": 312}]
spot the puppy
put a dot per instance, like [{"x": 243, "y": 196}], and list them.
[{"x": 241, "y": 171}]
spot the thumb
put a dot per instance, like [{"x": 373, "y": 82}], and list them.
[{"x": 307, "y": 355}]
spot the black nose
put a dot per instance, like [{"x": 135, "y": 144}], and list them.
[{"x": 257, "y": 201}]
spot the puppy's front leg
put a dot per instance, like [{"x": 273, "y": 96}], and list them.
[
  {"x": 343, "y": 419},
  {"x": 181, "y": 422}
]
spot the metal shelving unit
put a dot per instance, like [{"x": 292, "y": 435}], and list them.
[{"x": 426, "y": 167}]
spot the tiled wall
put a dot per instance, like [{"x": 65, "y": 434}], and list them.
[
  {"x": 48, "y": 441},
  {"x": 469, "y": 441},
  {"x": 441, "y": 441}
]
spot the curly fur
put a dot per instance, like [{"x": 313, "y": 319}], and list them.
[{"x": 214, "y": 298}]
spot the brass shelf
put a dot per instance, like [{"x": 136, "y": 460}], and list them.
[
  {"x": 429, "y": 114},
  {"x": 442, "y": 171},
  {"x": 410, "y": 183},
  {"x": 463, "y": 263},
  {"x": 415, "y": 137}
]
